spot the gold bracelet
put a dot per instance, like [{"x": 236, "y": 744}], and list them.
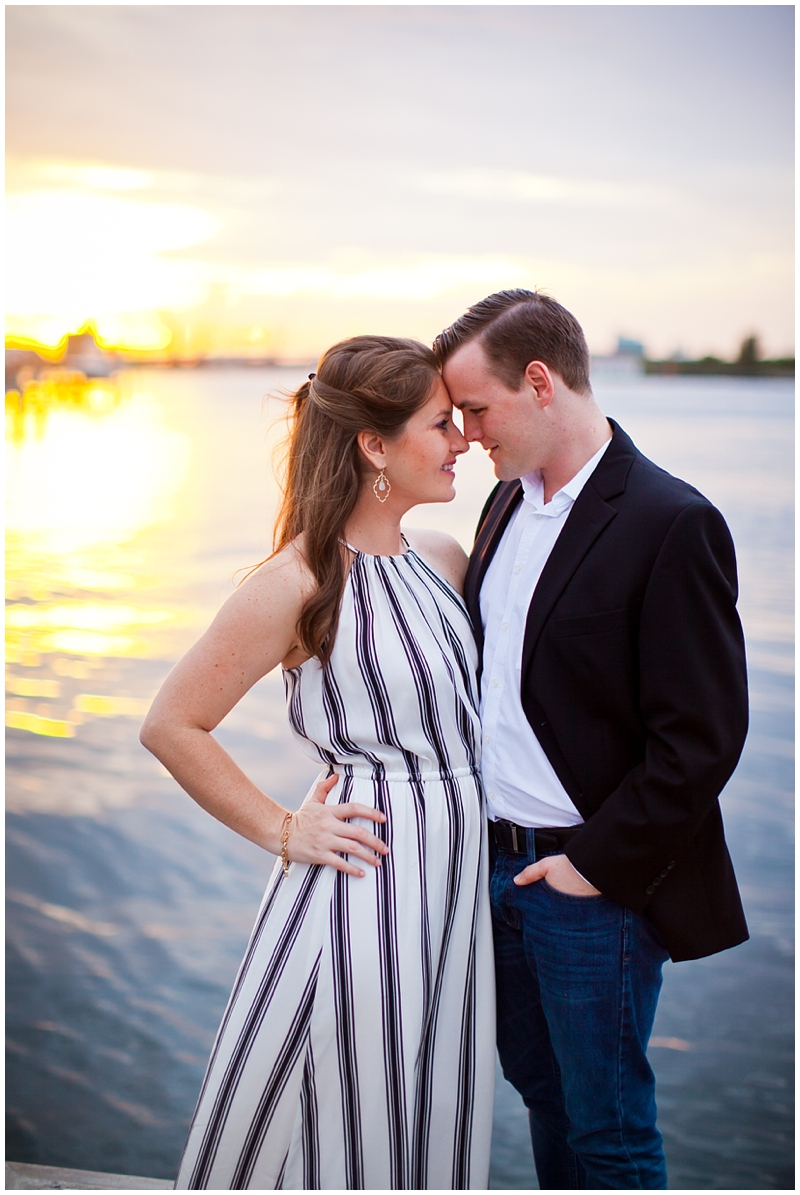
[{"x": 286, "y": 830}]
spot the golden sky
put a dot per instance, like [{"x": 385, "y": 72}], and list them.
[{"x": 267, "y": 179}]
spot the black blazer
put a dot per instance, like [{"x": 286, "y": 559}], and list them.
[{"x": 634, "y": 683}]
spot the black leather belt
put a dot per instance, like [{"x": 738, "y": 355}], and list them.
[{"x": 510, "y": 837}]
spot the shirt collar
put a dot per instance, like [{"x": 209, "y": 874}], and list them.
[{"x": 533, "y": 487}]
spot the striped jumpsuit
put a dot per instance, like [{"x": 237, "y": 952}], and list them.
[{"x": 357, "y": 1048}]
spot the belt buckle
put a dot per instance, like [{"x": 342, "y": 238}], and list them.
[{"x": 515, "y": 840}]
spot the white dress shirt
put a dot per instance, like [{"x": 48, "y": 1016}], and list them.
[{"x": 521, "y": 785}]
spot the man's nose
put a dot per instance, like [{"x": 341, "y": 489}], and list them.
[{"x": 472, "y": 427}]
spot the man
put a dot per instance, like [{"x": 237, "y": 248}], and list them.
[{"x": 614, "y": 705}]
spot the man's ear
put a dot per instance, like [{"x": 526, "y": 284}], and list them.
[
  {"x": 373, "y": 448},
  {"x": 540, "y": 379}
]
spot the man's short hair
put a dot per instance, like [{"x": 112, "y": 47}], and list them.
[{"x": 519, "y": 326}]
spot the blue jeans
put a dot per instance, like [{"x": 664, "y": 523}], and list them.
[{"x": 578, "y": 979}]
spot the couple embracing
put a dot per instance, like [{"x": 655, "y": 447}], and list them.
[{"x": 522, "y": 756}]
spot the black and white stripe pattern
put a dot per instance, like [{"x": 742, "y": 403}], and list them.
[{"x": 357, "y": 1049}]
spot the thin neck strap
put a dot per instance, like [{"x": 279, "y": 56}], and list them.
[{"x": 358, "y": 551}]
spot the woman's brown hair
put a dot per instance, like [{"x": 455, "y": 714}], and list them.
[{"x": 367, "y": 383}]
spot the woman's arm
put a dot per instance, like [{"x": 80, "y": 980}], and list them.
[{"x": 254, "y": 631}]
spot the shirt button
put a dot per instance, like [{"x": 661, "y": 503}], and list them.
[
  {"x": 490, "y": 794},
  {"x": 505, "y": 626},
  {"x": 495, "y": 683},
  {"x": 487, "y": 738},
  {"x": 517, "y": 568}
]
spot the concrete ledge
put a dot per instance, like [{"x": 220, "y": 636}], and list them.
[{"x": 20, "y": 1176}]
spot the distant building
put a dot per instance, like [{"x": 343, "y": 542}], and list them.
[
  {"x": 85, "y": 356},
  {"x": 629, "y": 348},
  {"x": 627, "y": 361},
  {"x": 22, "y": 366}
]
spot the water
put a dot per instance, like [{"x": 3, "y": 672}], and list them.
[{"x": 130, "y": 508}]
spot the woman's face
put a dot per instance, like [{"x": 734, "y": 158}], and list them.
[{"x": 420, "y": 461}]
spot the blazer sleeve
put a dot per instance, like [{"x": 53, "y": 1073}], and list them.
[{"x": 693, "y": 703}]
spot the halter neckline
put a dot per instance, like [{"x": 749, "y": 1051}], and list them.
[{"x": 379, "y": 556}]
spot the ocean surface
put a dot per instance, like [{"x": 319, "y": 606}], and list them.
[{"x": 132, "y": 504}]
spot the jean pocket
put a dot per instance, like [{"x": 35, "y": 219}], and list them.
[
  {"x": 501, "y": 890},
  {"x": 590, "y": 898}
]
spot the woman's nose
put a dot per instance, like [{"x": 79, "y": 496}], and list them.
[{"x": 461, "y": 444}]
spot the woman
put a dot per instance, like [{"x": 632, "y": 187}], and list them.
[{"x": 357, "y": 1048}]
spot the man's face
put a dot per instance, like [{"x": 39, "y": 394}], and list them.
[{"x": 506, "y": 423}]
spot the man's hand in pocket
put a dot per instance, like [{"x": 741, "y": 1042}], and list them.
[{"x": 560, "y": 874}]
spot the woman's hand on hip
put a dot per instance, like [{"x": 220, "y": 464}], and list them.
[{"x": 323, "y": 833}]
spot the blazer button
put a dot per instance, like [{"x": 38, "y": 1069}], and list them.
[
  {"x": 664, "y": 875},
  {"x": 650, "y": 889},
  {"x": 670, "y": 865}
]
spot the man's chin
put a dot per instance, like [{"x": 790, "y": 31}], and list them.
[{"x": 504, "y": 471}]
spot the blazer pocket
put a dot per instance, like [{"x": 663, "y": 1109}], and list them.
[{"x": 588, "y": 624}]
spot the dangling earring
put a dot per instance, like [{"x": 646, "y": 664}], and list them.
[{"x": 381, "y": 487}]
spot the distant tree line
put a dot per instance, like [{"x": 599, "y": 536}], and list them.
[{"x": 749, "y": 364}]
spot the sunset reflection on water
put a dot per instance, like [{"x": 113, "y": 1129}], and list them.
[{"x": 92, "y": 468}]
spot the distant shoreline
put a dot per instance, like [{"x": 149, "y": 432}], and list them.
[
  {"x": 30, "y": 361},
  {"x": 778, "y": 367}
]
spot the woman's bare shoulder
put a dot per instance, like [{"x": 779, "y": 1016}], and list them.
[
  {"x": 442, "y": 552},
  {"x": 253, "y": 632},
  {"x": 286, "y": 569},
  {"x": 270, "y": 596}
]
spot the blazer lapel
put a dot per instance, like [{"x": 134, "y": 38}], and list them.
[
  {"x": 588, "y": 517},
  {"x": 489, "y": 535},
  {"x": 581, "y": 529}
]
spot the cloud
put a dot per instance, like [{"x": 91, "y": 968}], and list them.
[
  {"x": 425, "y": 279},
  {"x": 518, "y": 186},
  {"x": 102, "y": 178},
  {"x": 82, "y": 254}
]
